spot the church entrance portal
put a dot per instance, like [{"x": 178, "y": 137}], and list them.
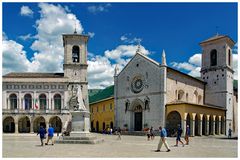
[{"x": 138, "y": 118}]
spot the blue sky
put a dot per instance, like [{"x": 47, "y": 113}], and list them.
[{"x": 34, "y": 29}]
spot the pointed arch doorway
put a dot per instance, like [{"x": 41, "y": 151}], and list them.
[{"x": 138, "y": 116}]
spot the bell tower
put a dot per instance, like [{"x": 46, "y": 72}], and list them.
[
  {"x": 75, "y": 66},
  {"x": 217, "y": 72}
]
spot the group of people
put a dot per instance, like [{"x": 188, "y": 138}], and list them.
[
  {"x": 163, "y": 136},
  {"x": 42, "y": 134},
  {"x": 150, "y": 133}
]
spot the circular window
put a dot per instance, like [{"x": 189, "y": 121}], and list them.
[{"x": 137, "y": 84}]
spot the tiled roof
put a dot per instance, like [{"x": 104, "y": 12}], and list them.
[
  {"x": 216, "y": 37},
  {"x": 103, "y": 94},
  {"x": 33, "y": 75}
]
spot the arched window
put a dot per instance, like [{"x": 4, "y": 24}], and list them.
[
  {"x": 42, "y": 101},
  {"x": 187, "y": 97},
  {"x": 229, "y": 57},
  {"x": 13, "y": 101},
  {"x": 75, "y": 54},
  {"x": 195, "y": 97},
  {"x": 57, "y": 102},
  {"x": 213, "y": 58},
  {"x": 28, "y": 101},
  {"x": 180, "y": 94}
]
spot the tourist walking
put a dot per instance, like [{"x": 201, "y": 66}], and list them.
[
  {"x": 229, "y": 133},
  {"x": 42, "y": 132},
  {"x": 179, "y": 133},
  {"x": 119, "y": 133},
  {"x": 50, "y": 134},
  {"x": 152, "y": 133},
  {"x": 163, "y": 139},
  {"x": 187, "y": 135},
  {"x": 148, "y": 134}
]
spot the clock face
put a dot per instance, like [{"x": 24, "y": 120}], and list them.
[{"x": 137, "y": 84}]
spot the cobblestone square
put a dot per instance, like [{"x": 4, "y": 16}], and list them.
[{"x": 28, "y": 145}]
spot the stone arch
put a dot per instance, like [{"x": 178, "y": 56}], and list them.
[
  {"x": 8, "y": 125},
  {"x": 210, "y": 125},
  {"x": 216, "y": 125},
  {"x": 24, "y": 124},
  {"x": 56, "y": 123},
  {"x": 180, "y": 94},
  {"x": 97, "y": 126},
  {"x": 204, "y": 122},
  {"x": 213, "y": 57},
  {"x": 75, "y": 54},
  {"x": 13, "y": 101},
  {"x": 172, "y": 121},
  {"x": 195, "y": 96},
  {"x": 137, "y": 108},
  {"x": 196, "y": 129},
  {"x": 38, "y": 121}
]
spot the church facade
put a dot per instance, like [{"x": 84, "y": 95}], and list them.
[
  {"x": 148, "y": 93},
  {"x": 33, "y": 99}
]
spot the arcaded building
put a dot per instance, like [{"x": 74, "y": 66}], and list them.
[
  {"x": 148, "y": 93},
  {"x": 33, "y": 99}
]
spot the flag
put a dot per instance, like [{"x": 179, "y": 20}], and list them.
[{"x": 36, "y": 103}]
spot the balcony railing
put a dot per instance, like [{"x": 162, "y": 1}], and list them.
[{"x": 31, "y": 111}]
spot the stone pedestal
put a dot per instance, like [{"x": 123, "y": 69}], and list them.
[{"x": 80, "y": 130}]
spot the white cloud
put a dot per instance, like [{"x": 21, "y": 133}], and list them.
[
  {"x": 193, "y": 66},
  {"x": 54, "y": 21},
  {"x": 26, "y": 11},
  {"x": 196, "y": 59},
  {"x": 126, "y": 38},
  {"x": 235, "y": 66},
  {"x": 48, "y": 57},
  {"x": 99, "y": 8},
  {"x": 101, "y": 68},
  {"x": 91, "y": 34},
  {"x": 26, "y": 37},
  {"x": 14, "y": 57}
]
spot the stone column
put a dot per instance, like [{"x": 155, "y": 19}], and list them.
[
  {"x": 47, "y": 125},
  {"x": 192, "y": 127},
  {"x": 219, "y": 125},
  {"x": 224, "y": 125},
  {"x": 19, "y": 100},
  {"x": 207, "y": 125},
  {"x": 16, "y": 127},
  {"x": 213, "y": 124},
  {"x": 184, "y": 126},
  {"x": 200, "y": 124},
  {"x": 49, "y": 106}
]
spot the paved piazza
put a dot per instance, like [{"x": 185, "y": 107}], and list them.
[{"x": 28, "y": 145}]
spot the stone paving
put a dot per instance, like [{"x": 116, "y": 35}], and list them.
[{"x": 28, "y": 145}]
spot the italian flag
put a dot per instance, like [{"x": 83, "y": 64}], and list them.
[{"x": 36, "y": 103}]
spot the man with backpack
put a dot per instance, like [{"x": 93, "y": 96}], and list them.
[{"x": 179, "y": 133}]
